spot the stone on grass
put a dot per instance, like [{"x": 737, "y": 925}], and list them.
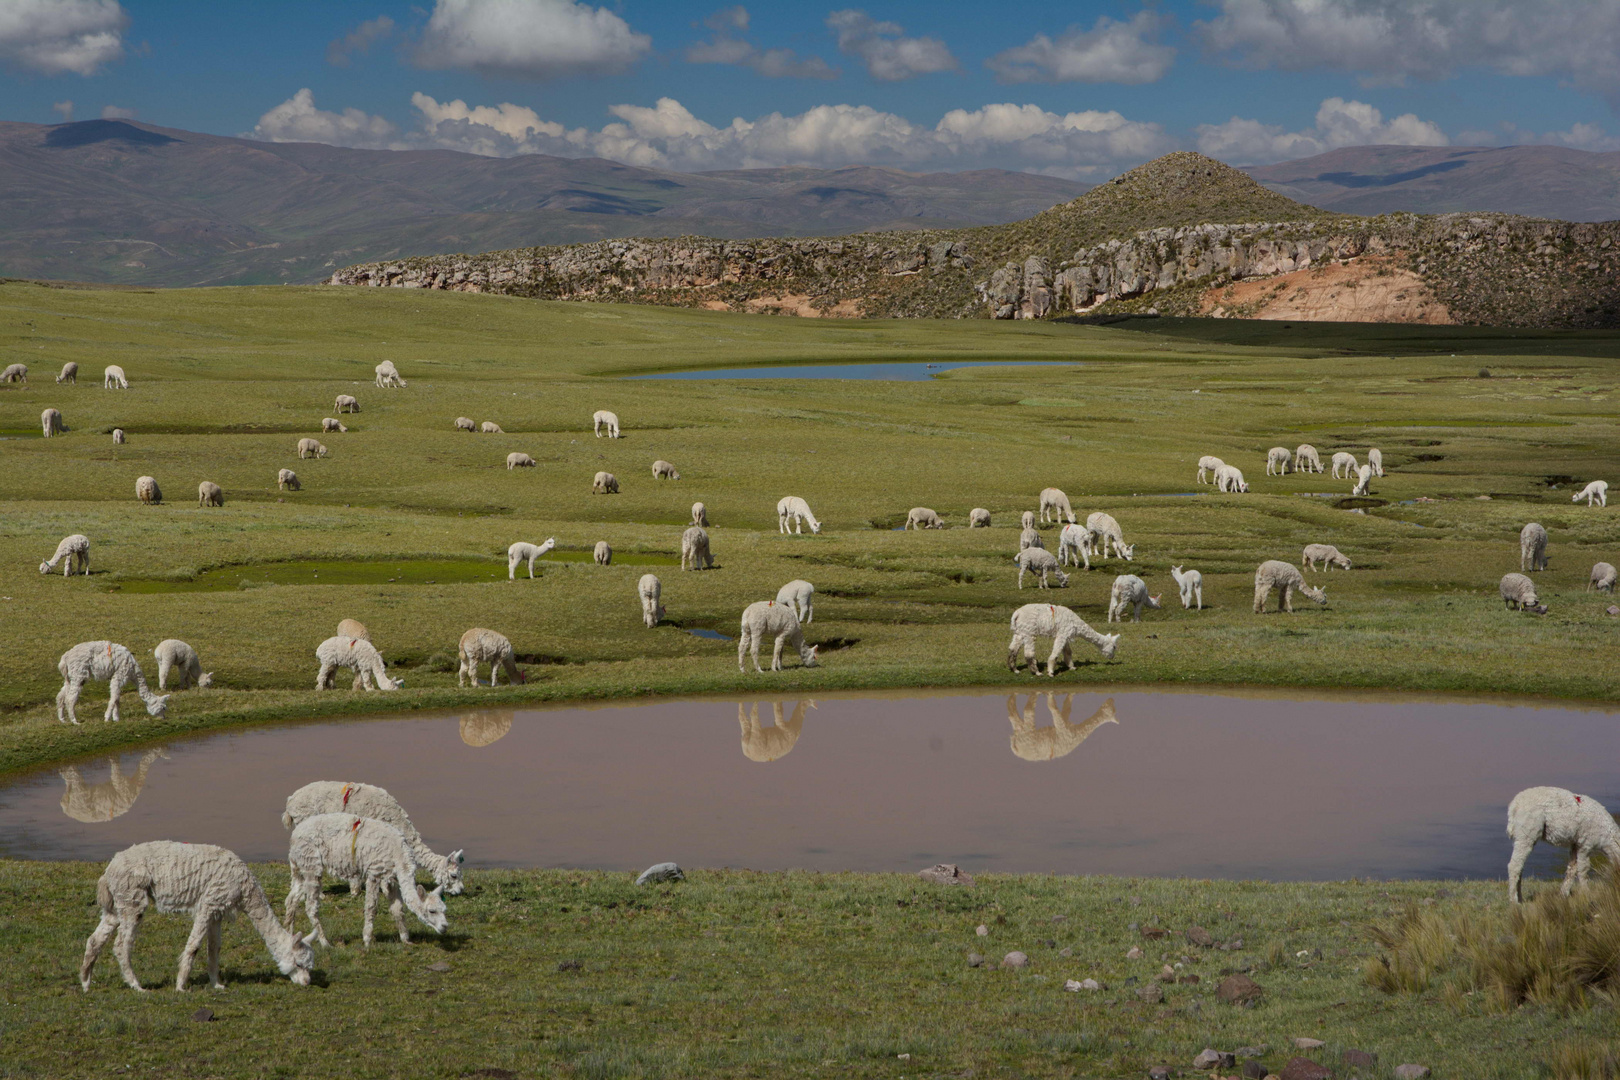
[
  {"x": 1212, "y": 1059},
  {"x": 1252, "y": 1051},
  {"x": 946, "y": 874},
  {"x": 1152, "y": 993},
  {"x": 439, "y": 965},
  {"x": 1239, "y": 990},
  {"x": 1074, "y": 986},
  {"x": 1197, "y": 935},
  {"x": 982, "y": 930},
  {"x": 1015, "y": 959},
  {"x": 1360, "y": 1059},
  {"x": 203, "y": 1015},
  {"x": 975, "y": 960},
  {"x": 664, "y": 871},
  {"x": 1253, "y": 1070},
  {"x": 1303, "y": 1043},
  {"x": 1305, "y": 1069},
  {"x": 1411, "y": 1072},
  {"x": 1159, "y": 1072},
  {"x": 1134, "y": 954},
  {"x": 1065, "y": 952}
]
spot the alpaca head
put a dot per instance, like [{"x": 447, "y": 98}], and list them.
[
  {"x": 44, "y": 567},
  {"x": 158, "y": 707},
  {"x": 1110, "y": 645},
  {"x": 449, "y": 874},
  {"x": 1319, "y": 595},
  {"x": 815, "y": 527},
  {"x": 1129, "y": 551},
  {"x": 432, "y": 913},
  {"x": 1153, "y": 601},
  {"x": 206, "y": 679},
  {"x": 810, "y": 657},
  {"x": 297, "y": 957}
]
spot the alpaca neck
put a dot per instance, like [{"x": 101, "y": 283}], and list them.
[
  {"x": 257, "y": 907},
  {"x": 142, "y": 689}
]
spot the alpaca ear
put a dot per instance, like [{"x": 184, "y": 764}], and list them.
[
  {"x": 457, "y": 857},
  {"x": 308, "y": 939},
  {"x": 421, "y": 893}
]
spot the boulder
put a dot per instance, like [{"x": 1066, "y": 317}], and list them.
[
  {"x": 1305, "y": 1069},
  {"x": 1239, "y": 990},
  {"x": 946, "y": 874}
]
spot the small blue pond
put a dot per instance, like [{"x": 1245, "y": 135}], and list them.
[{"x": 916, "y": 371}]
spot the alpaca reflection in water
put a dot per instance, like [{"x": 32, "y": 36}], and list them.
[
  {"x": 91, "y": 803},
  {"x": 486, "y": 726},
  {"x": 1050, "y": 743},
  {"x": 769, "y": 743}
]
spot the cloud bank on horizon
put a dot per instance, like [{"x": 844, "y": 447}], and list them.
[{"x": 1077, "y": 119}]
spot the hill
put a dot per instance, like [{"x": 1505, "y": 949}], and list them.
[{"x": 123, "y": 202}]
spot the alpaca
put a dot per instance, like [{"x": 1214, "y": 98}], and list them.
[
  {"x": 603, "y": 553},
  {"x": 1040, "y": 562},
  {"x": 147, "y": 490},
  {"x": 356, "y": 654},
  {"x": 210, "y": 494},
  {"x": 1033, "y": 743},
  {"x": 1129, "y": 591},
  {"x": 1207, "y": 466},
  {"x": 308, "y": 448},
  {"x": 368, "y": 800},
  {"x": 700, "y": 515},
  {"x": 208, "y": 882},
  {"x": 799, "y": 595},
  {"x": 1191, "y": 584},
  {"x": 650, "y": 590},
  {"x": 103, "y": 661},
  {"x": 1074, "y": 545},
  {"x": 978, "y": 518},
  {"x": 521, "y": 551},
  {"x": 1345, "y": 461},
  {"x": 1287, "y": 580},
  {"x": 287, "y": 480},
  {"x": 768, "y": 617},
  {"x": 95, "y": 803},
  {"x": 70, "y": 373},
  {"x": 663, "y": 470},
  {"x": 73, "y": 553},
  {"x": 1061, "y": 625},
  {"x": 1597, "y": 490},
  {"x": 795, "y": 512},
  {"x": 695, "y": 553},
  {"x": 1105, "y": 532},
  {"x": 1030, "y": 538},
  {"x": 353, "y": 628},
  {"x": 364, "y": 849},
  {"x": 1229, "y": 478},
  {"x": 1364, "y": 477},
  {"x": 602, "y": 418},
  {"x": 1027, "y": 519},
  {"x": 1602, "y": 579},
  {"x": 118, "y": 436},
  {"x": 1519, "y": 593},
  {"x": 1277, "y": 460},
  {"x": 332, "y": 423},
  {"x": 490, "y": 427},
  {"x": 175, "y": 655},
  {"x": 920, "y": 517},
  {"x": 346, "y": 403},
  {"x": 113, "y": 378},
  {"x": 766, "y": 744},
  {"x": 1375, "y": 458},
  {"x": 50, "y": 421},
  {"x": 1326, "y": 554},
  {"x": 18, "y": 373},
  {"x": 465, "y": 423},
  {"x": 480, "y": 646},
  {"x": 387, "y": 375},
  {"x": 516, "y": 460},
  {"x": 1056, "y": 503},
  {"x": 1306, "y": 459},
  {"x": 605, "y": 483},
  {"x": 1533, "y": 548},
  {"x": 1561, "y": 818}
]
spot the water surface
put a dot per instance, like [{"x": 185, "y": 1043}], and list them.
[{"x": 917, "y": 371}]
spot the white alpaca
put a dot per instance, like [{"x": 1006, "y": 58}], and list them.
[
  {"x": 1306, "y": 459},
  {"x": 208, "y": 882},
  {"x": 490, "y": 427},
  {"x": 793, "y": 514},
  {"x": 70, "y": 373},
  {"x": 663, "y": 470},
  {"x": 113, "y": 378},
  {"x": 353, "y": 628},
  {"x": 1056, "y": 503},
  {"x": 147, "y": 490},
  {"x": 332, "y": 423},
  {"x": 778, "y": 620},
  {"x": 118, "y": 436},
  {"x": 356, "y": 654},
  {"x": 1364, "y": 477},
  {"x": 700, "y": 515},
  {"x": 1129, "y": 591},
  {"x": 605, "y": 483},
  {"x": 1519, "y": 593},
  {"x": 1533, "y": 547},
  {"x": 50, "y": 422},
  {"x": 1563, "y": 819},
  {"x": 1229, "y": 478},
  {"x": 1074, "y": 545},
  {"x": 1287, "y": 580},
  {"x": 1375, "y": 458},
  {"x": 18, "y": 373},
  {"x": 1061, "y": 625},
  {"x": 1277, "y": 461},
  {"x": 368, "y": 800},
  {"x": 102, "y": 661},
  {"x": 516, "y": 460},
  {"x": 920, "y": 517},
  {"x": 1105, "y": 533},
  {"x": 1602, "y": 579},
  {"x": 308, "y": 448},
  {"x": 1207, "y": 466},
  {"x": 695, "y": 553},
  {"x": 1191, "y": 584},
  {"x": 480, "y": 646},
  {"x": 602, "y": 418},
  {"x": 287, "y": 480},
  {"x": 799, "y": 595},
  {"x": 651, "y": 591},
  {"x": 603, "y": 553},
  {"x": 1597, "y": 491},
  {"x": 1030, "y": 538},
  {"x": 1027, "y": 519},
  {"x": 346, "y": 403},
  {"x": 1040, "y": 562},
  {"x": 978, "y": 518},
  {"x": 175, "y": 655},
  {"x": 387, "y": 375},
  {"x": 354, "y": 848},
  {"x": 1346, "y": 462},
  {"x": 521, "y": 551},
  {"x": 1323, "y": 553},
  {"x": 465, "y": 423},
  {"x": 73, "y": 553},
  {"x": 210, "y": 494}
]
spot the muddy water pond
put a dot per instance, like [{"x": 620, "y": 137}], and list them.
[
  {"x": 899, "y": 371},
  {"x": 1131, "y": 782}
]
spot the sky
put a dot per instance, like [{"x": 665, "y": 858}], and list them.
[{"x": 1082, "y": 90}]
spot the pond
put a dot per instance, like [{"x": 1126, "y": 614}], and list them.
[
  {"x": 906, "y": 371},
  {"x": 370, "y": 572},
  {"x": 1134, "y": 782}
]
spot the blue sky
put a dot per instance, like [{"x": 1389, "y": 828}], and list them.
[{"x": 1081, "y": 90}]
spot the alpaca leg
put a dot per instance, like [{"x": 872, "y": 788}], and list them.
[
  {"x": 312, "y": 908},
  {"x": 776, "y": 653},
  {"x": 128, "y": 922},
  {"x": 68, "y": 698},
  {"x": 1288, "y": 599},
  {"x": 94, "y": 944},
  {"x": 164, "y": 664},
  {"x": 1199, "y": 592},
  {"x": 215, "y": 928},
  {"x": 1260, "y": 594},
  {"x": 115, "y": 687},
  {"x": 494, "y": 672},
  {"x": 1571, "y": 869},
  {"x": 371, "y": 906},
  {"x": 323, "y": 678},
  {"x": 199, "y": 933},
  {"x": 396, "y": 908}
]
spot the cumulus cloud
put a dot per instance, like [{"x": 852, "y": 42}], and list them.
[
  {"x": 64, "y": 109},
  {"x": 1111, "y": 51},
  {"x": 888, "y": 55},
  {"x": 117, "y": 112},
  {"x": 298, "y": 120},
  {"x": 56, "y": 37},
  {"x": 1391, "y": 40},
  {"x": 729, "y": 47},
  {"x": 359, "y": 40},
  {"x": 532, "y": 39},
  {"x": 1579, "y": 136},
  {"x": 1338, "y": 123}
]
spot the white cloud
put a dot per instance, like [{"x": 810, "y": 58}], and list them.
[
  {"x": 1390, "y": 40},
  {"x": 64, "y": 109},
  {"x": 298, "y": 120},
  {"x": 888, "y": 55},
  {"x": 55, "y": 37},
  {"x": 359, "y": 40},
  {"x": 117, "y": 112},
  {"x": 729, "y": 48},
  {"x": 1111, "y": 51},
  {"x": 534, "y": 39},
  {"x": 1338, "y": 123},
  {"x": 1579, "y": 136}
]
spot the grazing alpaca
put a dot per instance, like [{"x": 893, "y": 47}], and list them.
[
  {"x": 663, "y": 470},
  {"x": 1191, "y": 584},
  {"x": 695, "y": 554},
  {"x": 521, "y": 550},
  {"x": 602, "y": 418},
  {"x": 603, "y": 555},
  {"x": 18, "y": 373},
  {"x": 465, "y": 423},
  {"x": 649, "y": 589},
  {"x": 73, "y": 553},
  {"x": 70, "y": 373},
  {"x": 605, "y": 483},
  {"x": 1055, "y": 503},
  {"x": 118, "y": 436},
  {"x": 50, "y": 422},
  {"x": 1207, "y": 466},
  {"x": 113, "y": 378},
  {"x": 1533, "y": 547},
  {"x": 1306, "y": 459},
  {"x": 1129, "y": 591},
  {"x": 308, "y": 448},
  {"x": 346, "y": 403},
  {"x": 175, "y": 655},
  {"x": 356, "y": 654},
  {"x": 209, "y": 494},
  {"x": 388, "y": 375},
  {"x": 1050, "y": 743},
  {"x": 799, "y": 595},
  {"x": 103, "y": 661},
  {"x": 147, "y": 490},
  {"x": 978, "y": 518},
  {"x": 921, "y": 517},
  {"x": 287, "y": 480},
  {"x": 700, "y": 515},
  {"x": 332, "y": 423},
  {"x": 1277, "y": 461},
  {"x": 1563, "y": 819},
  {"x": 792, "y": 513},
  {"x": 1287, "y": 580},
  {"x": 368, "y": 800},
  {"x": 1603, "y": 577},
  {"x": 354, "y": 848},
  {"x": 1597, "y": 490},
  {"x": 1061, "y": 625},
  {"x": 766, "y": 744},
  {"x": 768, "y": 617},
  {"x": 480, "y": 646},
  {"x": 1074, "y": 545}
]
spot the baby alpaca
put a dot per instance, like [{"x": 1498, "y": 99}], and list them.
[
  {"x": 521, "y": 551},
  {"x": 695, "y": 549},
  {"x": 1191, "y": 584},
  {"x": 978, "y": 518},
  {"x": 603, "y": 553},
  {"x": 388, "y": 375},
  {"x": 287, "y": 480},
  {"x": 793, "y": 513},
  {"x": 354, "y": 849},
  {"x": 332, "y": 423},
  {"x": 1074, "y": 545},
  {"x": 1061, "y": 625},
  {"x": 663, "y": 470},
  {"x": 208, "y": 882},
  {"x": 146, "y": 490},
  {"x": 602, "y": 418},
  {"x": 920, "y": 517},
  {"x": 175, "y": 655},
  {"x": 1597, "y": 490},
  {"x": 210, "y": 494},
  {"x": 768, "y": 617},
  {"x": 50, "y": 422},
  {"x": 490, "y": 427},
  {"x": 799, "y": 595},
  {"x": 480, "y": 646},
  {"x": 70, "y": 373},
  {"x": 1106, "y": 533},
  {"x": 1129, "y": 591},
  {"x": 700, "y": 515},
  {"x": 1229, "y": 478},
  {"x": 1375, "y": 458},
  {"x": 1602, "y": 579},
  {"x": 368, "y": 800},
  {"x": 1055, "y": 503},
  {"x": 605, "y": 483},
  {"x": 465, "y": 423},
  {"x": 113, "y": 378},
  {"x": 1533, "y": 547},
  {"x": 18, "y": 373},
  {"x": 346, "y": 403},
  {"x": 118, "y": 436},
  {"x": 1519, "y": 593},
  {"x": 103, "y": 661},
  {"x": 1287, "y": 580},
  {"x": 1345, "y": 461},
  {"x": 308, "y": 448},
  {"x": 1306, "y": 459},
  {"x": 356, "y": 654},
  {"x": 1027, "y": 519},
  {"x": 1039, "y": 561},
  {"x": 1563, "y": 819},
  {"x": 516, "y": 460},
  {"x": 1207, "y": 466},
  {"x": 1030, "y": 538},
  {"x": 73, "y": 553},
  {"x": 651, "y": 590},
  {"x": 1363, "y": 480},
  {"x": 1323, "y": 553},
  {"x": 1277, "y": 459}
]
